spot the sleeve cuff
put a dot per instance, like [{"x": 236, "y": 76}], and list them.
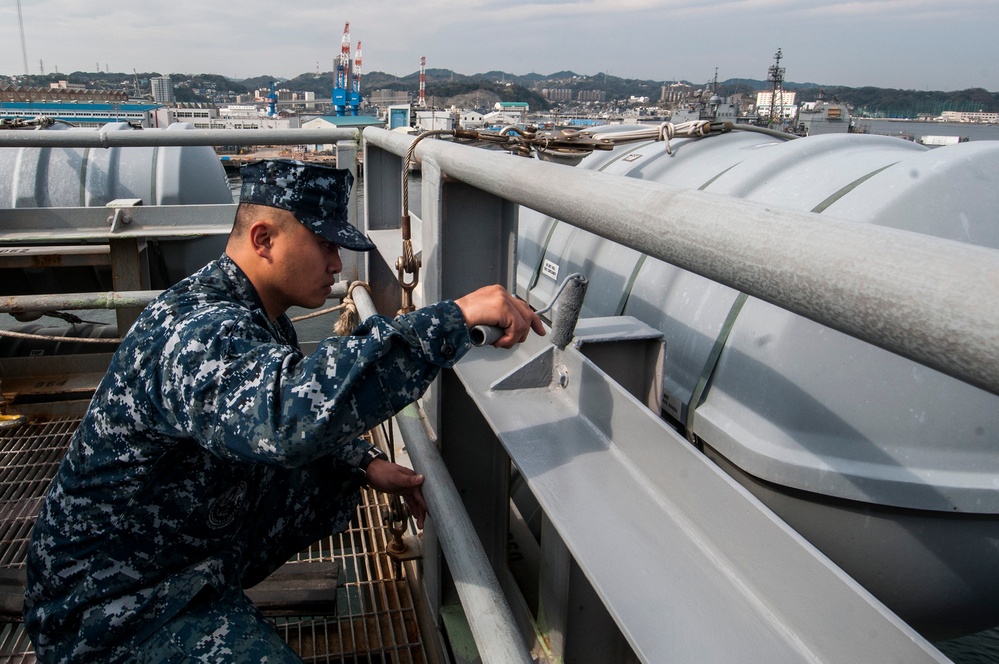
[{"x": 442, "y": 332}]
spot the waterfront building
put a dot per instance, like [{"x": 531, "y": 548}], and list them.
[
  {"x": 338, "y": 121},
  {"x": 201, "y": 116},
  {"x": 88, "y": 114},
  {"x": 471, "y": 119},
  {"x": 961, "y": 116},
  {"x": 57, "y": 92},
  {"x": 434, "y": 120}
]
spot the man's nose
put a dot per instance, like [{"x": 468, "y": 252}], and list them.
[{"x": 335, "y": 264}]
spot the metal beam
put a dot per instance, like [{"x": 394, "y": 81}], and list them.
[{"x": 22, "y": 225}]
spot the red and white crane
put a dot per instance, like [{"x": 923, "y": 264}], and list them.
[{"x": 423, "y": 81}]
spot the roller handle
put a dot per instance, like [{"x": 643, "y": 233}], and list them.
[{"x": 485, "y": 335}]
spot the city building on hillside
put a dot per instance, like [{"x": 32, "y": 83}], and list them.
[
  {"x": 591, "y": 95},
  {"x": 674, "y": 92},
  {"x": 162, "y": 90},
  {"x": 66, "y": 85},
  {"x": 557, "y": 94}
]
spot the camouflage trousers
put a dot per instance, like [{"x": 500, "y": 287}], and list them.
[
  {"x": 212, "y": 629},
  {"x": 299, "y": 508}
]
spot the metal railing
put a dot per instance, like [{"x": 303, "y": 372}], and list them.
[
  {"x": 595, "y": 459},
  {"x": 924, "y": 298}
]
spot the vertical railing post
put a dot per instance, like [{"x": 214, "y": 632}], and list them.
[
  {"x": 468, "y": 240},
  {"x": 354, "y": 263},
  {"x": 382, "y": 214}
]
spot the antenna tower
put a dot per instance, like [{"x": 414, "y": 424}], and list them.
[
  {"x": 776, "y": 76},
  {"x": 423, "y": 82}
]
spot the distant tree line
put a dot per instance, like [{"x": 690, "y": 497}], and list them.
[
  {"x": 444, "y": 83},
  {"x": 886, "y": 102}
]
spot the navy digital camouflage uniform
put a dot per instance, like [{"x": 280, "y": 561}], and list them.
[{"x": 213, "y": 451}]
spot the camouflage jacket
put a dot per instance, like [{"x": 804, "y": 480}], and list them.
[{"x": 203, "y": 396}]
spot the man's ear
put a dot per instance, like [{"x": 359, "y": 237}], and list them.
[{"x": 262, "y": 233}]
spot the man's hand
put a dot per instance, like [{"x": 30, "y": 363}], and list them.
[
  {"x": 494, "y": 305},
  {"x": 393, "y": 478}
]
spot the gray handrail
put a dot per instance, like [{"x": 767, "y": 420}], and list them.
[
  {"x": 489, "y": 615},
  {"x": 171, "y": 137}
]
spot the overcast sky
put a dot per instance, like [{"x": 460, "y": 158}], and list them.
[{"x": 917, "y": 44}]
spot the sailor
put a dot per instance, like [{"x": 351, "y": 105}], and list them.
[{"x": 214, "y": 450}]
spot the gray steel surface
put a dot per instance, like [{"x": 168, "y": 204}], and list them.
[{"x": 673, "y": 545}]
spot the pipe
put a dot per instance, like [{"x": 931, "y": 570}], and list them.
[
  {"x": 489, "y": 615},
  {"x": 16, "y": 304},
  {"x": 148, "y": 138},
  {"x": 924, "y": 298}
]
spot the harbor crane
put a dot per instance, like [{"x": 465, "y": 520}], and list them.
[
  {"x": 346, "y": 93},
  {"x": 354, "y": 96},
  {"x": 423, "y": 81}
]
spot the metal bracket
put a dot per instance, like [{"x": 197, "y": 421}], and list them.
[{"x": 120, "y": 217}]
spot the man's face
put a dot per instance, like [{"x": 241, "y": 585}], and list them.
[{"x": 305, "y": 266}]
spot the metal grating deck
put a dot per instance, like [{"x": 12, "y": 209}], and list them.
[{"x": 376, "y": 618}]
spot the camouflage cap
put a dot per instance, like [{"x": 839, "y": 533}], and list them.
[{"x": 317, "y": 195}]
